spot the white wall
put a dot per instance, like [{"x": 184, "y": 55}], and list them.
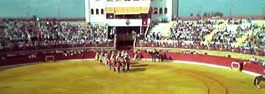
[
  {"x": 102, "y": 4},
  {"x": 123, "y": 22},
  {"x": 93, "y": 4},
  {"x": 162, "y": 4},
  {"x": 87, "y": 11},
  {"x": 129, "y": 4}
]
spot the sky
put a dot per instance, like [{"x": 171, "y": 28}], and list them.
[{"x": 75, "y": 8}]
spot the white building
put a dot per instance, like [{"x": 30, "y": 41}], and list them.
[
  {"x": 127, "y": 13},
  {"x": 125, "y": 18}
]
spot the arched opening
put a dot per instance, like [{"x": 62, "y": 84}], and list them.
[
  {"x": 102, "y": 11},
  {"x": 165, "y": 11},
  {"x": 92, "y": 11},
  {"x": 160, "y": 10},
  {"x": 97, "y": 11}
]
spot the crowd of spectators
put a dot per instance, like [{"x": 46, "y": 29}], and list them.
[
  {"x": 227, "y": 34},
  {"x": 192, "y": 30},
  {"x": 154, "y": 36},
  {"x": 21, "y": 35},
  {"x": 231, "y": 32},
  {"x": 256, "y": 40},
  {"x": 186, "y": 32}
]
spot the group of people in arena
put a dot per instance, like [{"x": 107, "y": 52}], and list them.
[
  {"x": 227, "y": 33},
  {"x": 118, "y": 61},
  {"x": 21, "y": 35},
  {"x": 157, "y": 55}
]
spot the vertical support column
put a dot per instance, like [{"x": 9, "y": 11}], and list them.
[
  {"x": 141, "y": 29},
  {"x": 134, "y": 42},
  {"x": 107, "y": 31},
  {"x": 87, "y": 10},
  {"x": 169, "y": 6},
  {"x": 115, "y": 41},
  {"x": 177, "y": 8}
]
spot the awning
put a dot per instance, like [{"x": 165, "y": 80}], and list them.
[{"x": 127, "y": 10}]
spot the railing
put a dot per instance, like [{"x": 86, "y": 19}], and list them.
[
  {"x": 225, "y": 17},
  {"x": 56, "y": 46},
  {"x": 216, "y": 47},
  {"x": 125, "y": 22},
  {"x": 54, "y": 50}
]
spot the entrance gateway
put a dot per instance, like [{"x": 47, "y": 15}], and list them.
[{"x": 126, "y": 36}]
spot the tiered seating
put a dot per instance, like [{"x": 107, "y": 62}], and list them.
[
  {"x": 242, "y": 39},
  {"x": 217, "y": 28},
  {"x": 24, "y": 35},
  {"x": 162, "y": 30},
  {"x": 233, "y": 34},
  {"x": 255, "y": 40},
  {"x": 237, "y": 35},
  {"x": 193, "y": 32}
]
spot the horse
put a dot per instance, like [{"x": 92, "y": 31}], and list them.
[
  {"x": 258, "y": 80},
  {"x": 162, "y": 57},
  {"x": 155, "y": 55}
]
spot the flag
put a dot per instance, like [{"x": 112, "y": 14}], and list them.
[{"x": 144, "y": 21}]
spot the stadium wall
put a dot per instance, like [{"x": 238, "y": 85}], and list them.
[
  {"x": 203, "y": 59},
  {"x": 212, "y": 60}
]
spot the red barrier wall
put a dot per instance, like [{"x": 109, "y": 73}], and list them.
[
  {"x": 215, "y": 60},
  {"x": 41, "y": 58}
]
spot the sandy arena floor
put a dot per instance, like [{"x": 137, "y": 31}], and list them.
[{"x": 89, "y": 77}]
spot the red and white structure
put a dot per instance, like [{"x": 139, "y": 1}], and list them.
[{"x": 128, "y": 13}]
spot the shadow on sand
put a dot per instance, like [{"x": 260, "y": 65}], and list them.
[
  {"x": 136, "y": 67},
  {"x": 136, "y": 70},
  {"x": 139, "y": 65}
]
